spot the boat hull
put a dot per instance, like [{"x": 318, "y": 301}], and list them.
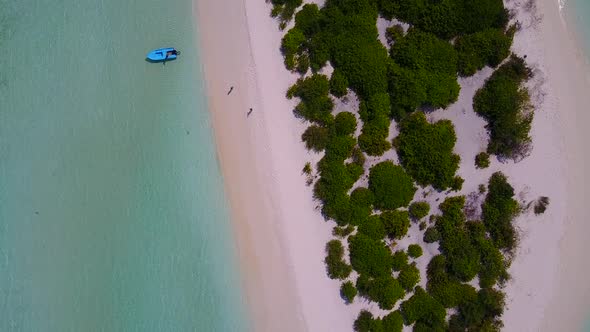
[{"x": 159, "y": 55}]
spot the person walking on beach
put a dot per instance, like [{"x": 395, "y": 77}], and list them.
[
  {"x": 230, "y": 90},
  {"x": 249, "y": 112}
]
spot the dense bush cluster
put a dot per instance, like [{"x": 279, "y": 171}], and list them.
[
  {"x": 337, "y": 268},
  {"x": 426, "y": 150},
  {"x": 414, "y": 250},
  {"x": 505, "y": 104},
  {"x": 284, "y": 10},
  {"x": 316, "y": 104},
  {"x": 348, "y": 292},
  {"x": 392, "y": 187},
  {"x": 370, "y": 257},
  {"x": 448, "y": 18},
  {"x": 384, "y": 290},
  {"x": 482, "y": 160},
  {"x": 424, "y": 73},
  {"x": 419, "y": 210},
  {"x": 446, "y": 38},
  {"x": 488, "y": 47},
  {"x": 498, "y": 211}
]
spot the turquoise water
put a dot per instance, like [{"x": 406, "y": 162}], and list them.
[{"x": 112, "y": 214}]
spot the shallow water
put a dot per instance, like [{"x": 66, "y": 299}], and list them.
[{"x": 112, "y": 214}]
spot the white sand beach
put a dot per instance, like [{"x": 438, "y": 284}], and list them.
[{"x": 281, "y": 235}]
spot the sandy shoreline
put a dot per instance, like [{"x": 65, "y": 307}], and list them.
[{"x": 281, "y": 236}]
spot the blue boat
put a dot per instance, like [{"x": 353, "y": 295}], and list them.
[{"x": 163, "y": 54}]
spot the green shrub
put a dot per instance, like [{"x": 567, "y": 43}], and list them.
[
  {"x": 307, "y": 19},
  {"x": 373, "y": 228},
  {"x": 396, "y": 223},
  {"x": 316, "y": 105},
  {"x": 366, "y": 323},
  {"x": 394, "y": 33},
  {"x": 375, "y": 115},
  {"x": 463, "y": 259},
  {"x": 337, "y": 268},
  {"x": 457, "y": 183},
  {"x": 393, "y": 322},
  {"x": 481, "y": 313},
  {"x": 409, "y": 277},
  {"x": 338, "y": 84},
  {"x": 482, "y": 160},
  {"x": 431, "y": 235},
  {"x": 284, "y": 10},
  {"x": 358, "y": 157},
  {"x": 541, "y": 205},
  {"x": 414, "y": 250},
  {"x": 421, "y": 307},
  {"x": 419, "y": 210},
  {"x": 399, "y": 260},
  {"x": 384, "y": 290},
  {"x": 422, "y": 225},
  {"x": 316, "y": 138},
  {"x": 348, "y": 292},
  {"x": 392, "y": 187},
  {"x": 498, "y": 211},
  {"x": 307, "y": 168},
  {"x": 369, "y": 257},
  {"x": 425, "y": 72},
  {"x": 504, "y": 103},
  {"x": 342, "y": 232},
  {"x": 345, "y": 123},
  {"x": 488, "y": 47},
  {"x": 426, "y": 150}
]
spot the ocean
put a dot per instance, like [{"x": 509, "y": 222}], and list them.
[{"x": 112, "y": 210}]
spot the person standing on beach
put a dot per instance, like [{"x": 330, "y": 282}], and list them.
[
  {"x": 249, "y": 112},
  {"x": 230, "y": 90}
]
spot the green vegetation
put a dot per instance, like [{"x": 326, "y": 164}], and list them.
[
  {"x": 457, "y": 184},
  {"x": 345, "y": 124},
  {"x": 414, "y": 250},
  {"x": 424, "y": 72},
  {"x": 348, "y": 292},
  {"x": 431, "y": 235},
  {"x": 424, "y": 310},
  {"x": 446, "y": 38},
  {"x": 375, "y": 115},
  {"x": 426, "y": 150},
  {"x": 394, "y": 33},
  {"x": 541, "y": 205},
  {"x": 384, "y": 290},
  {"x": 342, "y": 232},
  {"x": 307, "y": 169},
  {"x": 409, "y": 277},
  {"x": 396, "y": 223},
  {"x": 337, "y": 268},
  {"x": 366, "y": 323},
  {"x": 392, "y": 187},
  {"x": 316, "y": 138},
  {"x": 373, "y": 227},
  {"x": 498, "y": 211},
  {"x": 399, "y": 260},
  {"x": 504, "y": 103},
  {"x": 488, "y": 47},
  {"x": 482, "y": 160},
  {"x": 284, "y": 10},
  {"x": 338, "y": 84},
  {"x": 419, "y": 210},
  {"x": 369, "y": 257},
  {"x": 316, "y": 104},
  {"x": 448, "y": 18}
]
